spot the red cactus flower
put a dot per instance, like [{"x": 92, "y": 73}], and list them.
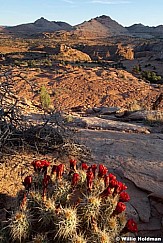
[
  {"x": 113, "y": 183},
  {"x": 54, "y": 169},
  {"x": 106, "y": 192},
  {"x": 89, "y": 169},
  {"x": 27, "y": 182},
  {"x": 45, "y": 183},
  {"x": 120, "y": 207},
  {"x": 39, "y": 164},
  {"x": 59, "y": 171},
  {"x": 75, "y": 179},
  {"x": 94, "y": 167},
  {"x": 106, "y": 180},
  {"x": 132, "y": 226},
  {"x": 123, "y": 186},
  {"x": 73, "y": 163},
  {"x": 90, "y": 177},
  {"x": 124, "y": 197},
  {"x": 112, "y": 177},
  {"x": 85, "y": 166},
  {"x": 102, "y": 171},
  {"x": 120, "y": 187},
  {"x": 45, "y": 163}
]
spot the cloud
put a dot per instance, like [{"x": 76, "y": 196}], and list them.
[{"x": 110, "y": 1}]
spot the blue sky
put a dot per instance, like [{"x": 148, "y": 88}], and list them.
[{"x": 125, "y": 12}]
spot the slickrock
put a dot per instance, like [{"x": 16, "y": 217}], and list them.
[
  {"x": 99, "y": 123},
  {"x": 138, "y": 160}
]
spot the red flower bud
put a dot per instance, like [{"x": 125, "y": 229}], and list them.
[
  {"x": 45, "y": 183},
  {"x": 102, "y": 171},
  {"x": 132, "y": 226},
  {"x": 120, "y": 207},
  {"x": 27, "y": 182},
  {"x": 113, "y": 183},
  {"x": 75, "y": 179},
  {"x": 73, "y": 163},
  {"x": 59, "y": 171},
  {"x": 90, "y": 177},
  {"x": 124, "y": 197},
  {"x": 112, "y": 177},
  {"x": 94, "y": 167},
  {"x": 120, "y": 187},
  {"x": 85, "y": 166}
]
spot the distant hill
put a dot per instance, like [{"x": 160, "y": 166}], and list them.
[
  {"x": 100, "y": 27},
  {"x": 2, "y": 28},
  {"x": 40, "y": 25},
  {"x": 140, "y": 30}
]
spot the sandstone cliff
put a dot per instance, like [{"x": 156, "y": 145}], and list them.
[{"x": 108, "y": 52}]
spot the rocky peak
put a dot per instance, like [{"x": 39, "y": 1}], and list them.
[
  {"x": 41, "y": 22},
  {"x": 103, "y": 17},
  {"x": 140, "y": 30},
  {"x": 40, "y": 25},
  {"x": 102, "y": 26},
  {"x": 46, "y": 24}
]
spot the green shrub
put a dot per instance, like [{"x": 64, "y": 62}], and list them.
[
  {"x": 32, "y": 63},
  {"x": 44, "y": 98},
  {"x": 151, "y": 76},
  {"x": 137, "y": 68}
]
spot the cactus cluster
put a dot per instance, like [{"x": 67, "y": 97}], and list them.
[{"x": 80, "y": 204}]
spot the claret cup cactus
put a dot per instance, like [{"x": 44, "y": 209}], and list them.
[{"x": 81, "y": 204}]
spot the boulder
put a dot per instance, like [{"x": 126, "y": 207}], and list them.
[
  {"x": 131, "y": 212},
  {"x": 140, "y": 115},
  {"x": 153, "y": 224},
  {"x": 147, "y": 176},
  {"x": 158, "y": 206},
  {"x": 108, "y": 110}
]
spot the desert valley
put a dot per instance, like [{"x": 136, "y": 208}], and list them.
[{"x": 93, "y": 93}]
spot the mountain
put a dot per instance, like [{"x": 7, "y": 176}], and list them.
[
  {"x": 100, "y": 27},
  {"x": 140, "y": 30},
  {"x": 40, "y": 25}
]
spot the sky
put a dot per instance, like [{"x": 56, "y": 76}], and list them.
[{"x": 125, "y": 12}]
